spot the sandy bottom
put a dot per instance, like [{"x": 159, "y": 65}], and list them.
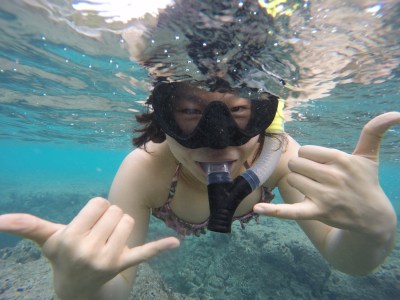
[
  {"x": 26, "y": 274},
  {"x": 256, "y": 263},
  {"x": 271, "y": 260}
]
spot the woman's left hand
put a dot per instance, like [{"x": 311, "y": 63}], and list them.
[{"x": 340, "y": 189}]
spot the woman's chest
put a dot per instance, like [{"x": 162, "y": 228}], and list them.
[{"x": 192, "y": 205}]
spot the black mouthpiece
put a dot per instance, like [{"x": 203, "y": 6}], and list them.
[{"x": 224, "y": 198}]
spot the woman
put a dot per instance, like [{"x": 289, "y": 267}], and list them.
[{"x": 335, "y": 197}]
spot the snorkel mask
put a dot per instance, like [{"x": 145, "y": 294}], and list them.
[
  {"x": 195, "y": 122},
  {"x": 232, "y": 118}
]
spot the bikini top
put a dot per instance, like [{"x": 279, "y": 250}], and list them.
[{"x": 184, "y": 228}]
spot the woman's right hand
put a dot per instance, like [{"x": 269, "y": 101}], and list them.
[{"x": 89, "y": 251}]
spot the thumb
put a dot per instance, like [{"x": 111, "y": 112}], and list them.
[
  {"x": 372, "y": 133},
  {"x": 28, "y": 226}
]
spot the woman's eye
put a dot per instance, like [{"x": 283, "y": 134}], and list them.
[{"x": 238, "y": 109}]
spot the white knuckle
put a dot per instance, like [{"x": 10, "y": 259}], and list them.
[
  {"x": 98, "y": 201},
  {"x": 342, "y": 158},
  {"x": 116, "y": 210},
  {"x": 128, "y": 220}
]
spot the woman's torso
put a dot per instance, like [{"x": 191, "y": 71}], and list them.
[{"x": 190, "y": 199}]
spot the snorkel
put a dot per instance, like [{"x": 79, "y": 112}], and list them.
[{"x": 225, "y": 195}]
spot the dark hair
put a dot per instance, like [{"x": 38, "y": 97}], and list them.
[{"x": 150, "y": 130}]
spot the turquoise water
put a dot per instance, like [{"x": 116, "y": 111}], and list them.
[
  {"x": 67, "y": 103},
  {"x": 53, "y": 181}
]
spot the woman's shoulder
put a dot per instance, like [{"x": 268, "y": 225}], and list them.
[
  {"x": 146, "y": 172},
  {"x": 151, "y": 154},
  {"x": 290, "y": 149}
]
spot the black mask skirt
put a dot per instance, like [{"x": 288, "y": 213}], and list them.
[{"x": 195, "y": 121}]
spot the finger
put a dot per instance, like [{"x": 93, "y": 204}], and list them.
[
  {"x": 307, "y": 186},
  {"x": 142, "y": 253},
  {"x": 372, "y": 133},
  {"x": 89, "y": 215},
  {"x": 318, "y": 154},
  {"x": 103, "y": 228},
  {"x": 28, "y": 226},
  {"x": 121, "y": 233},
  {"x": 308, "y": 168},
  {"x": 306, "y": 210}
]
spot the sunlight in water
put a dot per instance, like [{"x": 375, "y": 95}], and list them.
[{"x": 121, "y": 10}]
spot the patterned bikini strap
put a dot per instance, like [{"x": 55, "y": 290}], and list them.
[
  {"x": 174, "y": 183},
  {"x": 177, "y": 171}
]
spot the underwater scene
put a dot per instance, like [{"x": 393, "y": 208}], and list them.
[{"x": 73, "y": 75}]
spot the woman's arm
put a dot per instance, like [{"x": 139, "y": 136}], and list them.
[
  {"x": 130, "y": 192},
  {"x": 89, "y": 255},
  {"x": 337, "y": 200},
  {"x": 135, "y": 189},
  {"x": 349, "y": 249}
]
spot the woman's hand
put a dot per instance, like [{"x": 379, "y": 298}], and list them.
[
  {"x": 89, "y": 251},
  {"x": 340, "y": 189},
  {"x": 357, "y": 223}
]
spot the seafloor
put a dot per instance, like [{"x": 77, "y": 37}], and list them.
[{"x": 273, "y": 260}]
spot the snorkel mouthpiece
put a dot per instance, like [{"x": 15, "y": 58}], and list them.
[
  {"x": 224, "y": 196},
  {"x": 217, "y": 172}
]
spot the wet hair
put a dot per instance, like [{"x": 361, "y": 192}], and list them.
[{"x": 150, "y": 129}]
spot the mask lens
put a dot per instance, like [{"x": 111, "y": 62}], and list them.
[{"x": 189, "y": 110}]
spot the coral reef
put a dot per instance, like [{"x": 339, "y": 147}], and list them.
[{"x": 272, "y": 260}]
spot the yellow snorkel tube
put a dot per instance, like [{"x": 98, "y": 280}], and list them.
[{"x": 278, "y": 124}]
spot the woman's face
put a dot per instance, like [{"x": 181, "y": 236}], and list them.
[
  {"x": 192, "y": 159},
  {"x": 189, "y": 105}
]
